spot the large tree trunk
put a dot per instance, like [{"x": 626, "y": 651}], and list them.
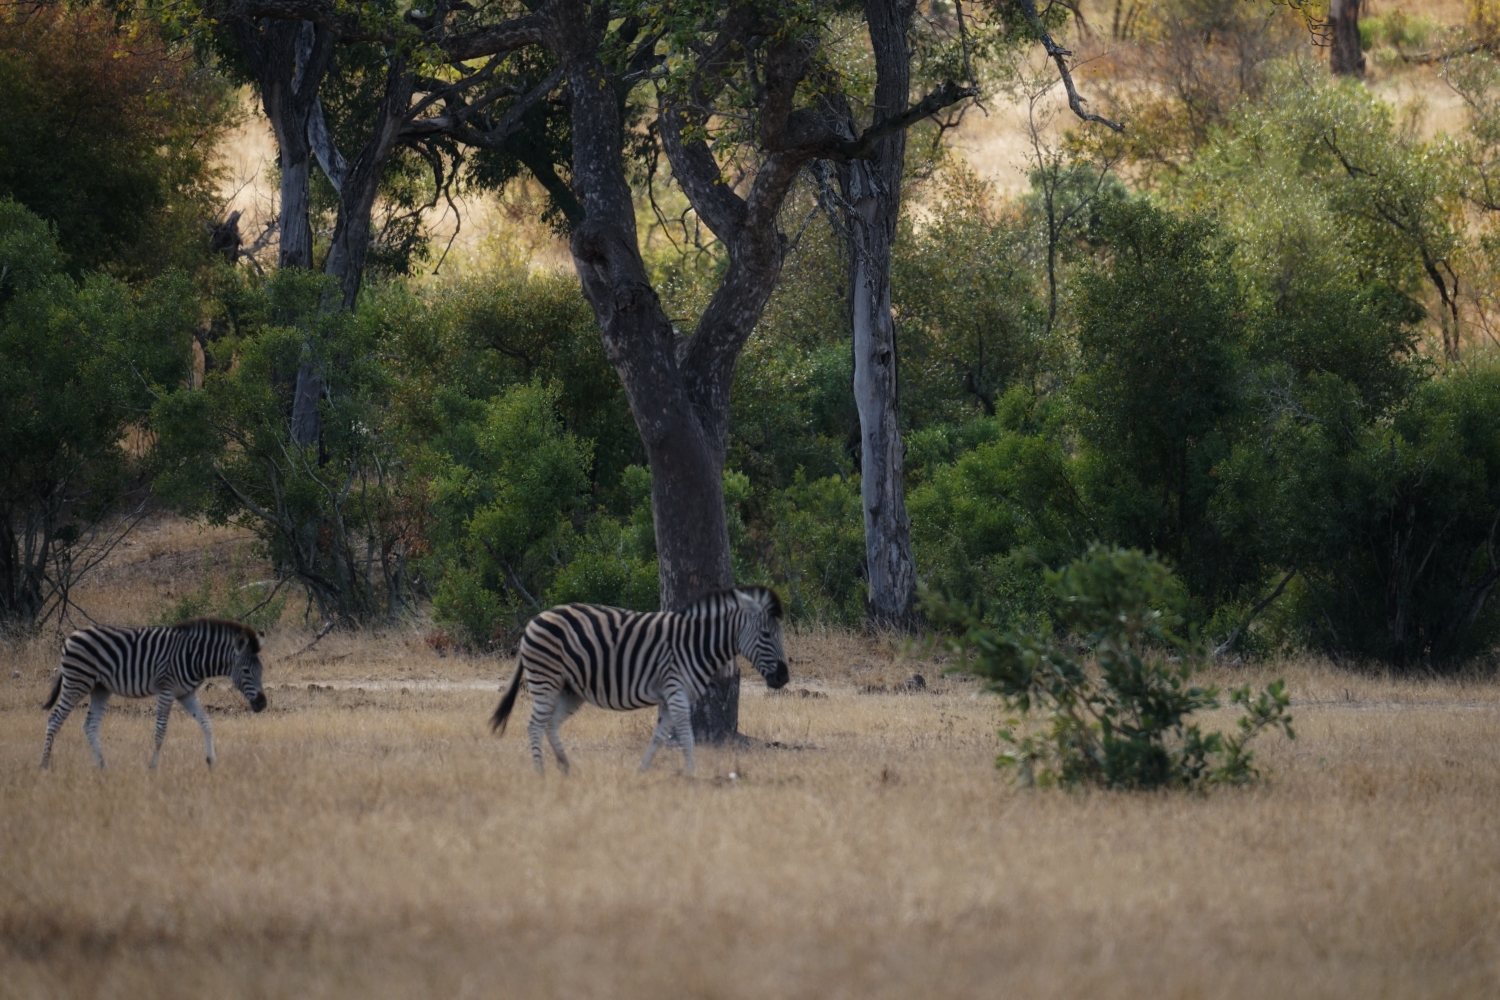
[
  {"x": 687, "y": 499},
  {"x": 872, "y": 190},
  {"x": 1345, "y": 57},
  {"x": 360, "y": 183},
  {"x": 289, "y": 60},
  {"x": 678, "y": 390}
]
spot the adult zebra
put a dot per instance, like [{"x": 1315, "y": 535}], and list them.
[
  {"x": 169, "y": 662},
  {"x": 625, "y": 660}
]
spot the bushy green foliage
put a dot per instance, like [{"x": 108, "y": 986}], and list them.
[
  {"x": 501, "y": 514},
  {"x": 613, "y": 561},
  {"x": 1116, "y": 683},
  {"x": 339, "y": 515},
  {"x": 458, "y": 346},
  {"x": 80, "y": 365},
  {"x": 971, "y": 320},
  {"x": 109, "y": 134},
  {"x": 1391, "y": 525},
  {"x": 258, "y": 603},
  {"x": 1160, "y": 334},
  {"x": 1397, "y": 29},
  {"x": 992, "y": 501},
  {"x": 1343, "y": 215},
  {"x": 818, "y": 548}
]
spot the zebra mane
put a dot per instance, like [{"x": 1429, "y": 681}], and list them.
[
  {"x": 765, "y": 596},
  {"x": 252, "y": 636}
]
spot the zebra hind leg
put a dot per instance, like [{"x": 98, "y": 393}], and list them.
[
  {"x": 98, "y": 702},
  {"x": 567, "y": 703},
  {"x": 191, "y": 706},
  {"x": 163, "y": 710},
  {"x": 542, "y": 699},
  {"x": 66, "y": 700}
]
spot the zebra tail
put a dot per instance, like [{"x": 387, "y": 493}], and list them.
[
  {"x": 507, "y": 702},
  {"x": 57, "y": 679}
]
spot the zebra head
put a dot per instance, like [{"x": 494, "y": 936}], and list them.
[
  {"x": 760, "y": 633},
  {"x": 246, "y": 670}
]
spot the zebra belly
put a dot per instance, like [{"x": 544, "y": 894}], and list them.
[{"x": 129, "y": 688}]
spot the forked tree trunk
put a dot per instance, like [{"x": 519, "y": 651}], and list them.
[
  {"x": 289, "y": 60},
  {"x": 872, "y": 192},
  {"x": 1345, "y": 56},
  {"x": 678, "y": 393},
  {"x": 358, "y": 184},
  {"x": 679, "y": 390}
]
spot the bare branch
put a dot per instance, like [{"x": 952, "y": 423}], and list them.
[
  {"x": 948, "y": 94},
  {"x": 1060, "y": 56}
]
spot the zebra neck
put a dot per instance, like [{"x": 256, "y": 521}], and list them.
[
  {"x": 204, "y": 661},
  {"x": 715, "y": 640}
]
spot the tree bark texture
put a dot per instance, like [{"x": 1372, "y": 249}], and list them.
[
  {"x": 1345, "y": 57},
  {"x": 678, "y": 390},
  {"x": 872, "y": 194},
  {"x": 289, "y": 60},
  {"x": 360, "y": 182},
  {"x": 686, "y": 468}
]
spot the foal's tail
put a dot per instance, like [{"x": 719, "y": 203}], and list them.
[
  {"x": 57, "y": 679},
  {"x": 508, "y": 701}
]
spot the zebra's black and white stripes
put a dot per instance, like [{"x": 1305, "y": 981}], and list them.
[
  {"x": 623, "y": 660},
  {"x": 169, "y": 662}
]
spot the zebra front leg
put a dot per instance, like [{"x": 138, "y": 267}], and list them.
[
  {"x": 191, "y": 706},
  {"x": 682, "y": 725},
  {"x": 67, "y": 698},
  {"x": 163, "y": 710},
  {"x": 98, "y": 701},
  {"x": 660, "y": 736}
]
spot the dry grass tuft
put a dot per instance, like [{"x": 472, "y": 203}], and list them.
[{"x": 367, "y": 837}]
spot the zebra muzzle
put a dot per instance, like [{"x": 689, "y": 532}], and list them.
[
  {"x": 258, "y": 703},
  {"x": 779, "y": 677}
]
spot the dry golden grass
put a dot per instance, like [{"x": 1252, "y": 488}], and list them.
[{"x": 368, "y": 837}]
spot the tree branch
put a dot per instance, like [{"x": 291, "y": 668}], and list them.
[
  {"x": 1060, "y": 56},
  {"x": 1264, "y": 603},
  {"x": 843, "y": 150}
]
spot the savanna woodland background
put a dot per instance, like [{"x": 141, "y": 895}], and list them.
[{"x": 1128, "y": 349}]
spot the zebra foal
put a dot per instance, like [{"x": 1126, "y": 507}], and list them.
[
  {"x": 623, "y": 660},
  {"x": 170, "y": 662}
]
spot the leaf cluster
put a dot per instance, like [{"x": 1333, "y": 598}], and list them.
[{"x": 1117, "y": 683}]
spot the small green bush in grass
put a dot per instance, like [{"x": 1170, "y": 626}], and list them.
[{"x": 1116, "y": 682}]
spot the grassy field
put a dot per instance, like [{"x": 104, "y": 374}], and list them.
[{"x": 368, "y": 837}]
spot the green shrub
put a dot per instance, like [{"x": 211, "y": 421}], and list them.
[
  {"x": 991, "y": 501},
  {"x": 340, "y": 515},
  {"x": 1119, "y": 716},
  {"x": 1391, "y": 526},
  {"x": 1398, "y": 29},
  {"x": 818, "y": 548},
  {"x": 503, "y": 515},
  {"x": 258, "y": 603},
  {"x": 613, "y": 561},
  {"x": 80, "y": 363}
]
